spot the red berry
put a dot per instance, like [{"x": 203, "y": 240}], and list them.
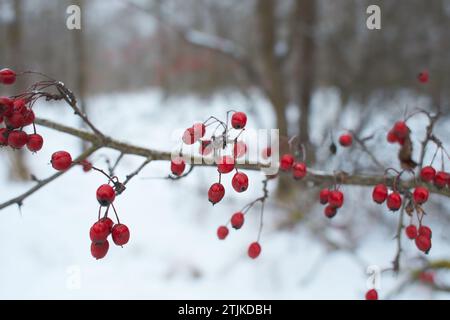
[
  {"x": 239, "y": 149},
  {"x": 336, "y": 198},
  {"x": 99, "y": 231},
  {"x": 239, "y": 120},
  {"x": 28, "y": 117},
  {"x": 427, "y": 277},
  {"x": 372, "y": 294},
  {"x": 7, "y": 76},
  {"x": 189, "y": 136},
  {"x": 423, "y": 77},
  {"x": 216, "y": 193},
  {"x": 4, "y": 133},
  {"x": 61, "y": 160},
  {"x": 222, "y": 232},
  {"x": 17, "y": 139},
  {"x": 400, "y": 129},
  {"x": 108, "y": 222},
  {"x": 423, "y": 243},
  {"x": 177, "y": 166},
  {"x": 120, "y": 234},
  {"x": 199, "y": 130},
  {"x": 425, "y": 231},
  {"x": 441, "y": 179},
  {"x": 225, "y": 165},
  {"x": 266, "y": 153},
  {"x": 237, "y": 220},
  {"x": 99, "y": 249},
  {"x": 205, "y": 147},
  {"x": 299, "y": 170},
  {"x": 86, "y": 164},
  {"x": 105, "y": 195},
  {"x": 380, "y": 193},
  {"x": 420, "y": 195},
  {"x": 391, "y": 137},
  {"x": 394, "y": 201},
  {"x": 427, "y": 174},
  {"x": 330, "y": 211},
  {"x": 240, "y": 182},
  {"x": 411, "y": 231},
  {"x": 15, "y": 121},
  {"x": 254, "y": 250},
  {"x": 6, "y": 106},
  {"x": 346, "y": 140},
  {"x": 35, "y": 142},
  {"x": 323, "y": 196},
  {"x": 286, "y": 162}
]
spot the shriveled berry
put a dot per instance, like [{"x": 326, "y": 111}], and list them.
[
  {"x": 441, "y": 179},
  {"x": 372, "y": 294},
  {"x": 17, "y": 139},
  {"x": 222, "y": 232},
  {"x": 380, "y": 193},
  {"x": 120, "y": 234},
  {"x": 99, "y": 231},
  {"x": 423, "y": 243},
  {"x": 99, "y": 249},
  {"x": 215, "y": 193},
  {"x": 254, "y": 250},
  {"x": 177, "y": 166},
  {"x": 61, "y": 160},
  {"x": 427, "y": 174},
  {"x": 225, "y": 164},
  {"x": 86, "y": 165},
  {"x": 323, "y": 196},
  {"x": 239, "y": 149},
  {"x": 425, "y": 231},
  {"x": 286, "y": 162},
  {"x": 330, "y": 211},
  {"x": 336, "y": 198},
  {"x": 420, "y": 195},
  {"x": 238, "y": 120},
  {"x": 299, "y": 170},
  {"x": 7, "y": 76},
  {"x": 105, "y": 195},
  {"x": 35, "y": 142},
  {"x": 346, "y": 140},
  {"x": 411, "y": 231},
  {"x": 394, "y": 201},
  {"x": 237, "y": 220},
  {"x": 240, "y": 182}
]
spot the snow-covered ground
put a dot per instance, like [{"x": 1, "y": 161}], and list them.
[{"x": 173, "y": 251}]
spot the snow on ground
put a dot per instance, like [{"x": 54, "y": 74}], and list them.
[{"x": 173, "y": 252}]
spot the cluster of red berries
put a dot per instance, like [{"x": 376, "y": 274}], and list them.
[
  {"x": 16, "y": 113},
  {"x": 333, "y": 199},
  {"x": 104, "y": 226},
  {"x": 217, "y": 144},
  {"x": 440, "y": 179},
  {"x": 398, "y": 133},
  {"x": 421, "y": 236},
  {"x": 289, "y": 164}
]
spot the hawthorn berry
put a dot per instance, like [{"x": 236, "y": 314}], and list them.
[
  {"x": 423, "y": 243},
  {"x": 237, "y": 220},
  {"x": 427, "y": 277},
  {"x": 15, "y": 121},
  {"x": 177, "y": 166},
  {"x": 394, "y": 201},
  {"x": 61, "y": 160},
  {"x": 330, "y": 211},
  {"x": 35, "y": 142},
  {"x": 380, "y": 193},
  {"x": 254, "y": 250},
  {"x": 225, "y": 165},
  {"x": 372, "y": 294},
  {"x": 401, "y": 129},
  {"x": 120, "y": 234},
  {"x": 336, "y": 198},
  {"x": 205, "y": 147},
  {"x": 420, "y": 195},
  {"x": 99, "y": 249},
  {"x": 28, "y": 117},
  {"x": 423, "y": 77},
  {"x": 7, "y": 76},
  {"x": 441, "y": 179},
  {"x": 323, "y": 196},
  {"x": 425, "y": 231},
  {"x": 199, "y": 130},
  {"x": 86, "y": 165},
  {"x": 240, "y": 182},
  {"x": 346, "y": 140},
  {"x": 4, "y": 132},
  {"x": 238, "y": 120},
  {"x": 411, "y": 231},
  {"x": 189, "y": 136},
  {"x": 17, "y": 139},
  {"x": 286, "y": 162},
  {"x": 299, "y": 170},
  {"x": 427, "y": 174},
  {"x": 105, "y": 195},
  {"x": 215, "y": 193},
  {"x": 6, "y": 106},
  {"x": 99, "y": 231},
  {"x": 108, "y": 222},
  {"x": 222, "y": 232},
  {"x": 239, "y": 149},
  {"x": 391, "y": 137}
]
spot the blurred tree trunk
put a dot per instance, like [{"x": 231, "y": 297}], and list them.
[
  {"x": 306, "y": 14},
  {"x": 19, "y": 169}
]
